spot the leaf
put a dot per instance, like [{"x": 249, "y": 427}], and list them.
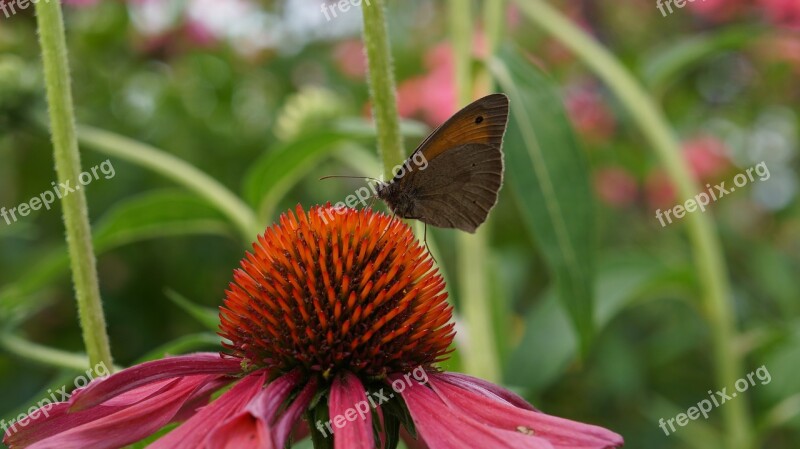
[
  {"x": 549, "y": 345},
  {"x": 158, "y": 214},
  {"x": 205, "y": 316},
  {"x": 548, "y": 173},
  {"x": 148, "y": 216},
  {"x": 182, "y": 345},
  {"x": 280, "y": 168},
  {"x": 662, "y": 68}
]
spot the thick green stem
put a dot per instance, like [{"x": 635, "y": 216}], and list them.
[
  {"x": 481, "y": 357},
  {"x": 708, "y": 253},
  {"x": 68, "y": 167},
  {"x": 382, "y": 85}
]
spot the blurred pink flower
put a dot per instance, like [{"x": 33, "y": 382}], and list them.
[
  {"x": 781, "y": 48},
  {"x": 718, "y": 10},
  {"x": 350, "y": 59},
  {"x": 615, "y": 186},
  {"x": 432, "y": 96},
  {"x": 200, "y": 34},
  {"x": 707, "y": 156},
  {"x": 513, "y": 17},
  {"x": 659, "y": 191},
  {"x": 782, "y": 12},
  {"x": 589, "y": 113}
]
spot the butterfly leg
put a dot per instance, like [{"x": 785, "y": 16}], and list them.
[
  {"x": 425, "y": 236},
  {"x": 425, "y": 240}
]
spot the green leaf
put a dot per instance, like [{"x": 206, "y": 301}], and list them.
[
  {"x": 158, "y": 214},
  {"x": 148, "y": 216},
  {"x": 205, "y": 316},
  {"x": 280, "y": 168},
  {"x": 549, "y": 344},
  {"x": 548, "y": 172},
  {"x": 662, "y": 68},
  {"x": 182, "y": 345}
]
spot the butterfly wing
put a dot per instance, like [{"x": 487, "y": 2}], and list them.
[
  {"x": 458, "y": 188},
  {"x": 481, "y": 122}
]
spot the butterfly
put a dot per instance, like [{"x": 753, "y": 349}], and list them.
[{"x": 453, "y": 177}]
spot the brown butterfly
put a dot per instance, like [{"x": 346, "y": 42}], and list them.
[{"x": 452, "y": 179}]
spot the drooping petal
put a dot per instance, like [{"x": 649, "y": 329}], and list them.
[
  {"x": 110, "y": 426},
  {"x": 140, "y": 375},
  {"x": 348, "y": 406},
  {"x": 562, "y": 433},
  {"x": 443, "y": 427},
  {"x": 253, "y": 427},
  {"x": 192, "y": 434},
  {"x": 485, "y": 388},
  {"x": 292, "y": 414},
  {"x": 244, "y": 431}
]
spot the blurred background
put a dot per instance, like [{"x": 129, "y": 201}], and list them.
[{"x": 267, "y": 96}]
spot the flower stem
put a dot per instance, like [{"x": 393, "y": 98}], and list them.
[
  {"x": 179, "y": 171},
  {"x": 68, "y": 168},
  {"x": 708, "y": 254},
  {"x": 42, "y": 354},
  {"x": 382, "y": 85},
  {"x": 481, "y": 358}
]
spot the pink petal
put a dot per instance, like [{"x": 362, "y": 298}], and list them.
[
  {"x": 56, "y": 418},
  {"x": 562, "y": 433},
  {"x": 192, "y": 434},
  {"x": 349, "y": 400},
  {"x": 140, "y": 375},
  {"x": 253, "y": 426},
  {"x": 99, "y": 429},
  {"x": 267, "y": 403},
  {"x": 241, "y": 432},
  {"x": 443, "y": 427},
  {"x": 292, "y": 415},
  {"x": 486, "y": 388}
]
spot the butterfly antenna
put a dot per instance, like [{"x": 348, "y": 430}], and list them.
[{"x": 350, "y": 177}]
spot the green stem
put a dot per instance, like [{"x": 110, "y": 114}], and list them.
[
  {"x": 481, "y": 358},
  {"x": 68, "y": 168},
  {"x": 494, "y": 17},
  {"x": 44, "y": 355},
  {"x": 179, "y": 171},
  {"x": 382, "y": 85},
  {"x": 708, "y": 253}
]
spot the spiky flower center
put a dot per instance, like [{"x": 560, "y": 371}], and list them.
[{"x": 338, "y": 290}]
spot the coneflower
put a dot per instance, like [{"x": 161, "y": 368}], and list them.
[{"x": 333, "y": 326}]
